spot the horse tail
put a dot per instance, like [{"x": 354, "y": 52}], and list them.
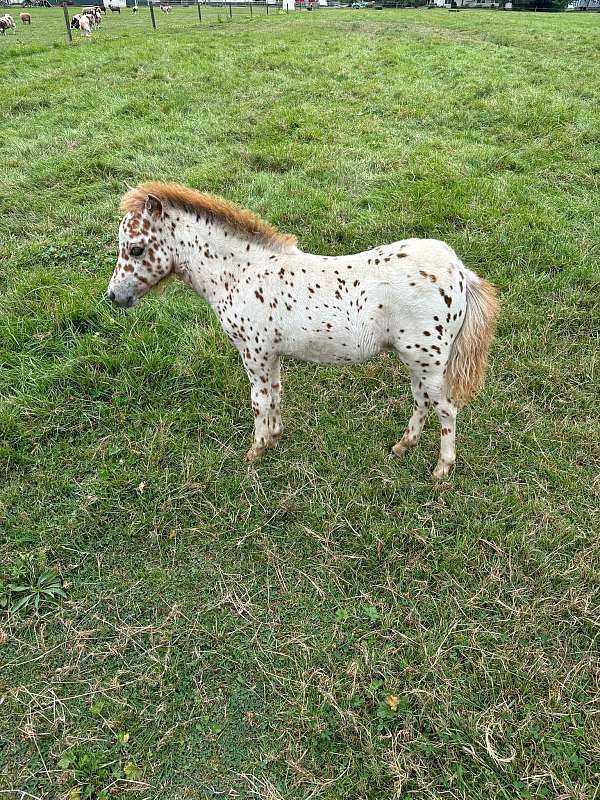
[{"x": 469, "y": 353}]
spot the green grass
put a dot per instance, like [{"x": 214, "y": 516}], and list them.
[{"x": 232, "y": 631}]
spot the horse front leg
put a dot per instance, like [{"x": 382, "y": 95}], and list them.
[{"x": 265, "y": 388}]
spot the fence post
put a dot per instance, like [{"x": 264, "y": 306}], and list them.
[
  {"x": 151, "y": 4},
  {"x": 250, "y": 4},
  {"x": 267, "y": 8},
  {"x": 199, "y": 10},
  {"x": 68, "y": 25},
  {"x": 230, "y": 11}
]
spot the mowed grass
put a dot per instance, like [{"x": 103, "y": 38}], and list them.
[{"x": 330, "y": 623}]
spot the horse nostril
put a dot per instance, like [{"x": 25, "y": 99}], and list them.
[{"x": 111, "y": 295}]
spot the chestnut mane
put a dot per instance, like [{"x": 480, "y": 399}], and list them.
[{"x": 241, "y": 221}]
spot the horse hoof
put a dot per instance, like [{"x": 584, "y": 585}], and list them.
[
  {"x": 441, "y": 471},
  {"x": 254, "y": 454},
  {"x": 398, "y": 450}
]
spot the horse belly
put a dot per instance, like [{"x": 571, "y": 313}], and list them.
[
  {"x": 319, "y": 352},
  {"x": 340, "y": 346}
]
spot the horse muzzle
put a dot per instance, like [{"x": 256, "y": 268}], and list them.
[{"x": 121, "y": 300}]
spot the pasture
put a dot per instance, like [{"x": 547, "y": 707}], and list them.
[
  {"x": 48, "y": 24},
  {"x": 327, "y": 623}
]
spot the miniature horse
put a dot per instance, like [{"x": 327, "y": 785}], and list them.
[{"x": 414, "y": 297}]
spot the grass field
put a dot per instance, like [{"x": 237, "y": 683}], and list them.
[{"x": 329, "y": 624}]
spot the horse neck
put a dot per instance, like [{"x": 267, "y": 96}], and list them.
[{"x": 211, "y": 257}]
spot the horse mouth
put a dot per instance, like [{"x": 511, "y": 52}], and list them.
[{"x": 122, "y": 302}]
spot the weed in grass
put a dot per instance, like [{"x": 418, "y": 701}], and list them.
[{"x": 28, "y": 594}]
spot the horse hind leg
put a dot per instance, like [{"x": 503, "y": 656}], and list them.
[
  {"x": 446, "y": 413},
  {"x": 429, "y": 391},
  {"x": 434, "y": 387},
  {"x": 414, "y": 429}
]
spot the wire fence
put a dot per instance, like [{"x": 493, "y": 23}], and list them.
[
  {"x": 43, "y": 25},
  {"x": 38, "y": 23}
]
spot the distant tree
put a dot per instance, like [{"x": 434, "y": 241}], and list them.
[{"x": 540, "y": 5}]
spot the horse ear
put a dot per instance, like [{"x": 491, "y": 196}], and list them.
[
  {"x": 128, "y": 187},
  {"x": 153, "y": 206}
]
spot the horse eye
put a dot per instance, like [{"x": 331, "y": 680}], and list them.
[{"x": 136, "y": 250}]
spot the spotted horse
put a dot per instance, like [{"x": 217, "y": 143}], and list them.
[{"x": 414, "y": 297}]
